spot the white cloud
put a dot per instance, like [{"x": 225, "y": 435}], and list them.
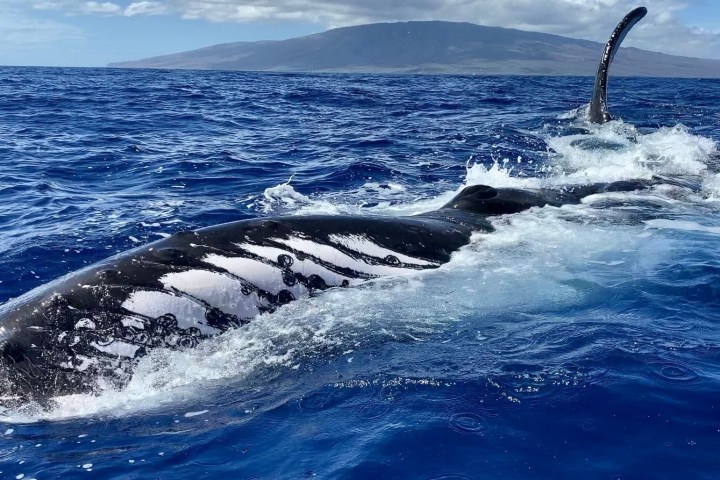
[
  {"x": 78, "y": 7},
  {"x": 105, "y": 8},
  {"x": 47, "y": 5},
  {"x": 18, "y": 30},
  {"x": 145, "y": 8}
]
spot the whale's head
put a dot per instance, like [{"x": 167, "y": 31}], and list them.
[
  {"x": 34, "y": 363},
  {"x": 26, "y": 376},
  {"x": 10, "y": 392},
  {"x": 17, "y": 375},
  {"x": 488, "y": 201},
  {"x": 22, "y": 376}
]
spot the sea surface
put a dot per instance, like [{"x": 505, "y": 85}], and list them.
[{"x": 573, "y": 342}]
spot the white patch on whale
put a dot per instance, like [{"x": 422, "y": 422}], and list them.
[
  {"x": 133, "y": 322},
  {"x": 336, "y": 257},
  {"x": 218, "y": 290},
  {"x": 85, "y": 323},
  {"x": 80, "y": 363},
  {"x": 365, "y": 246},
  {"x": 155, "y": 304},
  {"x": 262, "y": 275},
  {"x": 306, "y": 267},
  {"x": 116, "y": 347}
]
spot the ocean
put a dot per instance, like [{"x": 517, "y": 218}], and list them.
[{"x": 573, "y": 342}]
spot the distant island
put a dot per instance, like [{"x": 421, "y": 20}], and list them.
[{"x": 430, "y": 47}]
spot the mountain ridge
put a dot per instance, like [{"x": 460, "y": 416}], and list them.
[{"x": 429, "y": 47}]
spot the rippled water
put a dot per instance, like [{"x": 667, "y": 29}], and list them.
[{"x": 574, "y": 341}]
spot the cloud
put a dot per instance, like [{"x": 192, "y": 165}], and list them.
[
  {"x": 76, "y": 7},
  {"x": 18, "y": 30},
  {"x": 145, "y": 8},
  {"x": 47, "y": 5},
  {"x": 105, "y": 8},
  {"x": 662, "y": 30}
]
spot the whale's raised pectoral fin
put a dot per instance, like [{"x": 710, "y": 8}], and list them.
[{"x": 598, "y": 111}]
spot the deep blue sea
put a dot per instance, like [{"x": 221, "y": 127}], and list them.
[{"x": 573, "y": 342}]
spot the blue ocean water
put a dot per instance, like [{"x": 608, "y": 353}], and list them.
[{"x": 573, "y": 341}]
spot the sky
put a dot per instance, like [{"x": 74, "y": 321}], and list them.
[{"x": 94, "y": 33}]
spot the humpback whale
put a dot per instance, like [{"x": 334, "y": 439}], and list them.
[{"x": 97, "y": 322}]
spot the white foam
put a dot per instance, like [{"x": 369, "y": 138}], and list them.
[
  {"x": 385, "y": 188},
  {"x": 195, "y": 414},
  {"x": 687, "y": 226},
  {"x": 711, "y": 187},
  {"x": 617, "y": 151},
  {"x": 284, "y": 199},
  {"x": 499, "y": 174},
  {"x": 283, "y": 195}
]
